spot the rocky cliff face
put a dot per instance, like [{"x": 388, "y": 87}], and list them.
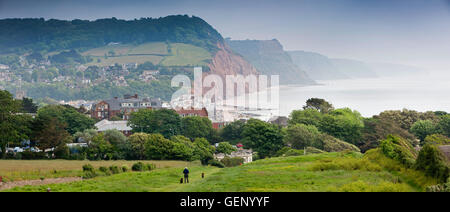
[
  {"x": 269, "y": 58},
  {"x": 317, "y": 66},
  {"x": 225, "y": 62}
]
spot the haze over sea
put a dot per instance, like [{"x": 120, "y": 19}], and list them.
[{"x": 429, "y": 92}]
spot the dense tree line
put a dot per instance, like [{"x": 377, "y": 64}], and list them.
[{"x": 40, "y": 35}]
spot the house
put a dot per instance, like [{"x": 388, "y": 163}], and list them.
[
  {"x": 279, "y": 120},
  {"x": 185, "y": 112},
  {"x": 122, "y": 107},
  {"x": 4, "y": 67},
  {"x": 246, "y": 154},
  {"x": 121, "y": 126}
]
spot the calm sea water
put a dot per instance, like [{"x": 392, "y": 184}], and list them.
[{"x": 372, "y": 96}]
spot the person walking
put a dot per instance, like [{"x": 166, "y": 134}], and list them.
[{"x": 186, "y": 175}]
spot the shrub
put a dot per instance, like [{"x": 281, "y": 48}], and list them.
[
  {"x": 138, "y": 167},
  {"x": 432, "y": 162},
  {"x": 114, "y": 169},
  {"x": 332, "y": 144},
  {"x": 216, "y": 163},
  {"x": 437, "y": 139},
  {"x": 231, "y": 162},
  {"x": 398, "y": 149},
  {"x": 287, "y": 151},
  {"x": 89, "y": 174},
  {"x": 104, "y": 170},
  {"x": 88, "y": 168},
  {"x": 414, "y": 176},
  {"x": 149, "y": 167},
  {"x": 124, "y": 168}
]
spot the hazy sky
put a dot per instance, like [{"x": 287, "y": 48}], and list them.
[{"x": 415, "y": 32}]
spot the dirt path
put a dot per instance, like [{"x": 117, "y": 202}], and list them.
[{"x": 10, "y": 185}]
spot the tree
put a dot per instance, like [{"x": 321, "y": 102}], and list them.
[
  {"x": 318, "y": 104},
  {"x": 52, "y": 134},
  {"x": 422, "y": 128},
  {"x": 158, "y": 148},
  {"x": 344, "y": 124},
  {"x": 203, "y": 151},
  {"x": 28, "y": 106},
  {"x": 100, "y": 149},
  {"x": 406, "y": 118},
  {"x": 264, "y": 138},
  {"x": 232, "y": 132},
  {"x": 225, "y": 148},
  {"x": 444, "y": 125},
  {"x": 196, "y": 127},
  {"x": 376, "y": 129},
  {"x": 437, "y": 139},
  {"x": 118, "y": 142},
  {"x": 432, "y": 162},
  {"x": 307, "y": 116},
  {"x": 73, "y": 120},
  {"x": 299, "y": 136},
  {"x": 8, "y": 132},
  {"x": 85, "y": 136},
  {"x": 137, "y": 142},
  {"x": 183, "y": 148},
  {"x": 164, "y": 121}
]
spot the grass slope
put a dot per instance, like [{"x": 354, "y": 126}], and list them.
[{"x": 317, "y": 172}]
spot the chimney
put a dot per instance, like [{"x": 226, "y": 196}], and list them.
[{"x": 135, "y": 96}]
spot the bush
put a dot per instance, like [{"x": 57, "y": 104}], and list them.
[
  {"x": 437, "y": 139},
  {"x": 432, "y": 162},
  {"x": 332, "y": 144},
  {"x": 216, "y": 163},
  {"x": 149, "y": 167},
  {"x": 88, "y": 168},
  {"x": 124, "y": 168},
  {"x": 89, "y": 174},
  {"x": 114, "y": 169},
  {"x": 231, "y": 162},
  {"x": 104, "y": 170},
  {"x": 398, "y": 149},
  {"x": 138, "y": 167},
  {"x": 287, "y": 151}
]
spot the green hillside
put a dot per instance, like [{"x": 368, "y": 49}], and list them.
[
  {"x": 40, "y": 35},
  {"x": 316, "y": 172},
  {"x": 162, "y": 53}
]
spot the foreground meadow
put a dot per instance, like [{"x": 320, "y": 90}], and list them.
[
  {"x": 317, "y": 172},
  {"x": 16, "y": 170}
]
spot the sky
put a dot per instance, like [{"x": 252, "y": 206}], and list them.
[{"x": 412, "y": 32}]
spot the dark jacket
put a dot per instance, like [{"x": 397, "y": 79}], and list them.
[{"x": 186, "y": 172}]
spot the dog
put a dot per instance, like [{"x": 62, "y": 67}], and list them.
[{"x": 181, "y": 181}]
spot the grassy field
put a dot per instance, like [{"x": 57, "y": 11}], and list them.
[
  {"x": 156, "y": 52},
  {"x": 319, "y": 172},
  {"x": 184, "y": 54},
  {"x": 14, "y": 170}
]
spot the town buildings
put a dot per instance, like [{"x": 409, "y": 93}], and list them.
[{"x": 122, "y": 107}]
